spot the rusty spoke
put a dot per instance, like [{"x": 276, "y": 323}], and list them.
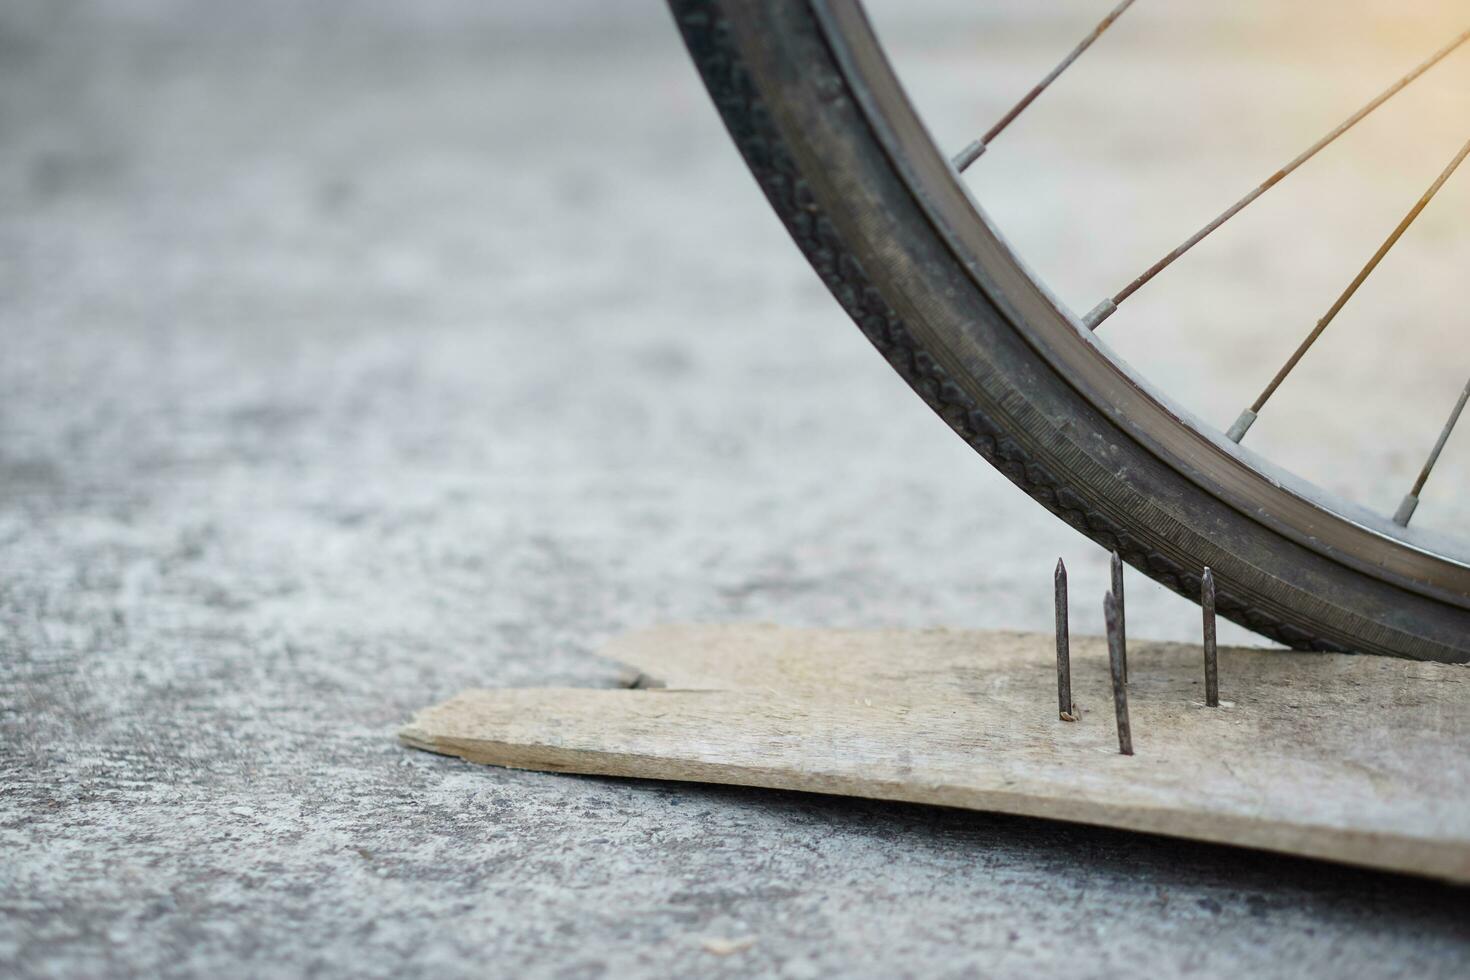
[
  {"x": 972, "y": 152},
  {"x": 1248, "y": 417},
  {"x": 1108, "y": 306},
  {"x": 1411, "y": 499}
]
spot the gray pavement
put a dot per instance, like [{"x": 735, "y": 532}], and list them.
[{"x": 352, "y": 353}]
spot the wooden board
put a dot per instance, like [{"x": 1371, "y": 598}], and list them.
[{"x": 1362, "y": 760}]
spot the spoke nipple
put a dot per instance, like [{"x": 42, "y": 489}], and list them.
[
  {"x": 1065, "y": 709},
  {"x": 1099, "y": 313},
  {"x": 969, "y": 155},
  {"x": 1406, "y": 509},
  {"x": 1242, "y": 426}
]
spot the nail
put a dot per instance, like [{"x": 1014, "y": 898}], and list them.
[
  {"x": 1122, "y": 616},
  {"x": 1064, "y": 654},
  {"x": 1212, "y": 666},
  {"x": 1113, "y": 616}
]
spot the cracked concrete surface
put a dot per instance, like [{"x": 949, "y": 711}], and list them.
[{"x": 356, "y": 353}]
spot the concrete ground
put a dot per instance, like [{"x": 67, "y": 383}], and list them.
[{"x": 353, "y": 353}]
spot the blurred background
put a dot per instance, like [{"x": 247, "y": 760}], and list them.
[{"x": 357, "y": 352}]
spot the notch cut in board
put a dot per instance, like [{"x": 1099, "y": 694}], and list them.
[{"x": 1356, "y": 759}]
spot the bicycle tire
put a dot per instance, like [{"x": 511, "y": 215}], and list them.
[{"x": 794, "y": 98}]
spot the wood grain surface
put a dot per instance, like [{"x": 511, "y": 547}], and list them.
[{"x": 1360, "y": 760}]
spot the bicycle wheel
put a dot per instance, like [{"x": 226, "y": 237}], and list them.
[{"x": 817, "y": 112}]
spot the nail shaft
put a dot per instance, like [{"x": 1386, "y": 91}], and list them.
[
  {"x": 1212, "y": 666},
  {"x": 1113, "y": 616},
  {"x": 1117, "y": 567},
  {"x": 1064, "y": 655}
]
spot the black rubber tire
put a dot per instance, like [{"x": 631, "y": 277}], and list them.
[{"x": 791, "y": 112}]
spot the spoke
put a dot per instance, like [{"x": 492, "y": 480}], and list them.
[
  {"x": 1411, "y": 500},
  {"x": 1248, "y": 417},
  {"x": 1108, "y": 306},
  {"x": 971, "y": 153}
]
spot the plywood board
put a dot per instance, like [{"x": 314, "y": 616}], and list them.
[{"x": 1362, "y": 760}]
